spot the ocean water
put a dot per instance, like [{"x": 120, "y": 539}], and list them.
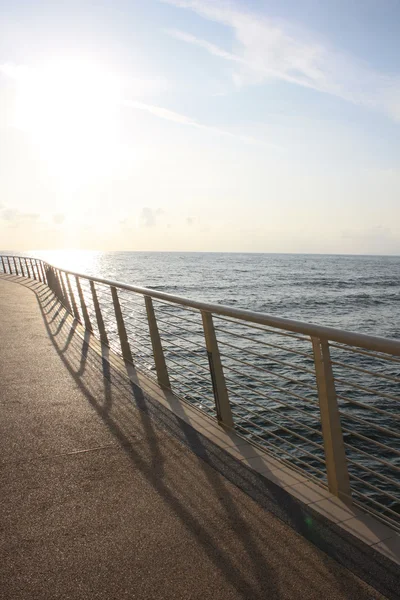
[
  {"x": 270, "y": 377},
  {"x": 357, "y": 293}
]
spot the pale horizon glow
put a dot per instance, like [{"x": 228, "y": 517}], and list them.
[{"x": 199, "y": 125}]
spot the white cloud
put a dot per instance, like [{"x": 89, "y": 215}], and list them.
[
  {"x": 272, "y": 49},
  {"x": 170, "y": 115}
]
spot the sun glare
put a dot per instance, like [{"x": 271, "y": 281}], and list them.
[
  {"x": 82, "y": 261},
  {"x": 70, "y": 110}
]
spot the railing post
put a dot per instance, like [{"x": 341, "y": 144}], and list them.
[
  {"x": 72, "y": 298},
  {"x": 31, "y": 266},
  {"x": 53, "y": 284},
  {"x": 123, "y": 338},
  {"x": 43, "y": 272},
  {"x": 64, "y": 293},
  {"x": 50, "y": 278},
  {"x": 37, "y": 270},
  {"x": 335, "y": 454},
  {"x": 4, "y": 265},
  {"x": 33, "y": 269},
  {"x": 57, "y": 286},
  {"x": 60, "y": 290},
  {"x": 99, "y": 316},
  {"x": 158, "y": 352},
  {"x": 20, "y": 267},
  {"x": 224, "y": 413},
  {"x": 27, "y": 268},
  {"x": 85, "y": 313},
  {"x": 15, "y": 265},
  {"x": 9, "y": 264}
]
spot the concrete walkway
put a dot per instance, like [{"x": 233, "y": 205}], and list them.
[{"x": 98, "y": 501}]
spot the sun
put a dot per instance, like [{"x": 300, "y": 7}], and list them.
[{"x": 70, "y": 110}]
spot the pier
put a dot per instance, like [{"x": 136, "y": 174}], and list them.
[{"x": 120, "y": 482}]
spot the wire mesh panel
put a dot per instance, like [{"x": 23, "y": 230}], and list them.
[
  {"x": 21, "y": 267},
  {"x": 137, "y": 329},
  {"x": 182, "y": 338},
  {"x": 35, "y": 273},
  {"x": 107, "y": 311},
  {"x": 73, "y": 295},
  {"x": 271, "y": 384},
  {"x": 11, "y": 266},
  {"x": 368, "y": 389},
  {"x": 89, "y": 304},
  {"x": 66, "y": 293}
]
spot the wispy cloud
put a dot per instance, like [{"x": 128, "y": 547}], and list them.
[
  {"x": 19, "y": 72},
  {"x": 271, "y": 49},
  {"x": 15, "y": 217},
  {"x": 148, "y": 216},
  {"x": 212, "y": 48},
  {"x": 170, "y": 115}
]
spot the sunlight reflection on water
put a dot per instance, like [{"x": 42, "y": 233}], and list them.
[{"x": 82, "y": 261}]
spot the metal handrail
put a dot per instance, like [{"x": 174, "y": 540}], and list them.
[
  {"x": 123, "y": 328},
  {"x": 377, "y": 343}
]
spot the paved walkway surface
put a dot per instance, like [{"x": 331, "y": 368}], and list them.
[{"x": 97, "y": 501}]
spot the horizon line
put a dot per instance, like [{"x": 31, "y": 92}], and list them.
[{"x": 204, "y": 252}]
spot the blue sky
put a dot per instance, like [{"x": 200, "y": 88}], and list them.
[{"x": 199, "y": 125}]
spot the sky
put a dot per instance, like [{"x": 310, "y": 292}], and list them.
[{"x": 200, "y": 125}]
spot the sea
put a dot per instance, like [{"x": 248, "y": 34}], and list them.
[
  {"x": 271, "y": 383},
  {"x": 356, "y": 293}
]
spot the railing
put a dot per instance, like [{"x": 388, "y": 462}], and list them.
[{"x": 324, "y": 401}]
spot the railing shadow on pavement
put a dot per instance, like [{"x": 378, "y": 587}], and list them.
[
  {"x": 135, "y": 420},
  {"x": 324, "y": 401}
]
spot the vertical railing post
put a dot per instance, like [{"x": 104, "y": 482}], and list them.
[
  {"x": 43, "y": 272},
  {"x": 335, "y": 454},
  {"x": 123, "y": 338},
  {"x": 20, "y": 267},
  {"x": 9, "y": 264},
  {"x": 72, "y": 299},
  {"x": 99, "y": 316},
  {"x": 15, "y": 265},
  {"x": 158, "y": 352},
  {"x": 60, "y": 288},
  {"x": 30, "y": 268},
  {"x": 33, "y": 269},
  {"x": 85, "y": 313},
  {"x": 4, "y": 265},
  {"x": 37, "y": 270},
  {"x": 50, "y": 278},
  {"x": 64, "y": 292},
  {"x": 27, "y": 268},
  {"x": 56, "y": 285},
  {"x": 224, "y": 413}
]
